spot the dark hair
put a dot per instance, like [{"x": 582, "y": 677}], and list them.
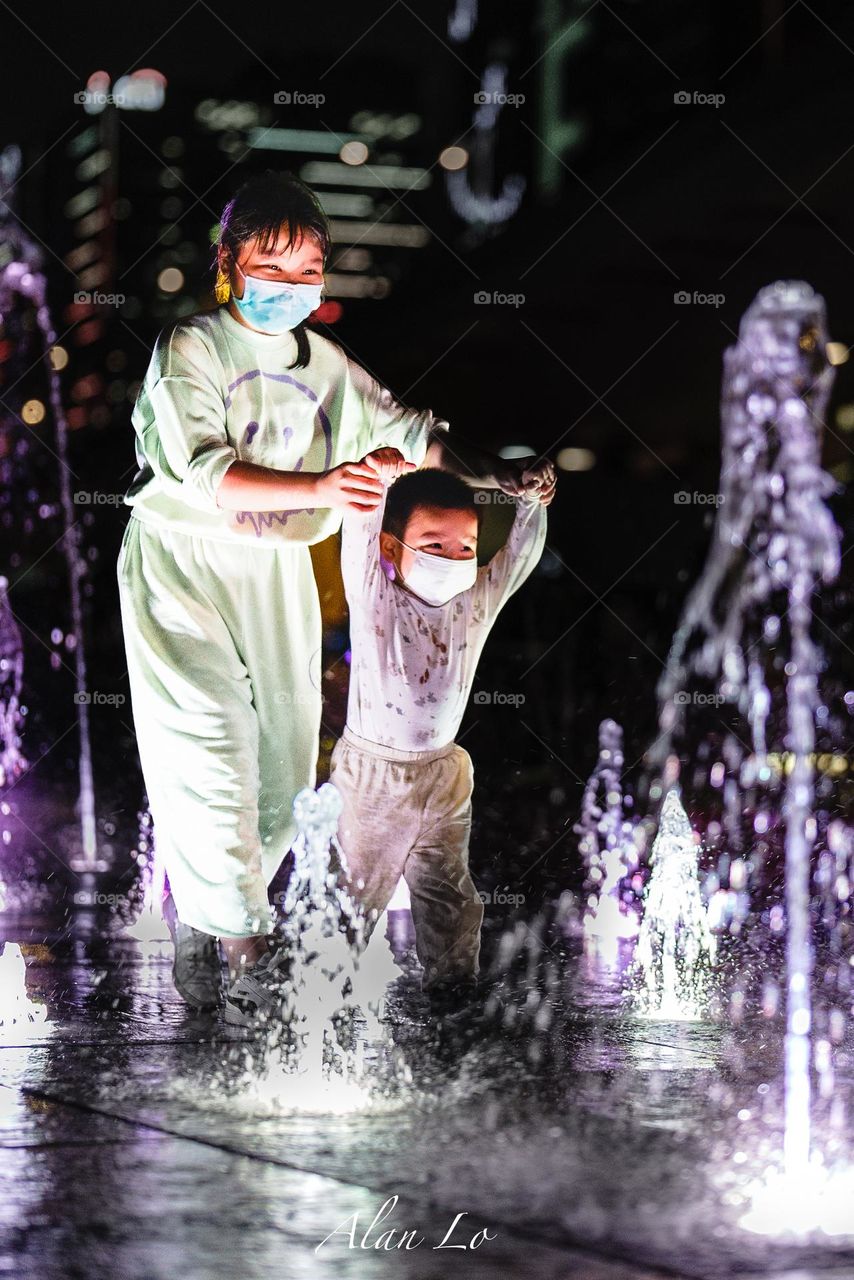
[
  {"x": 259, "y": 209},
  {"x": 429, "y": 487}
]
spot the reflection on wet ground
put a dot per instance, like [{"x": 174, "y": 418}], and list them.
[{"x": 138, "y": 1142}]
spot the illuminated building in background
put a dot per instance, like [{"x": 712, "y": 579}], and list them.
[
  {"x": 362, "y": 175},
  {"x": 134, "y": 229},
  {"x": 603, "y": 77},
  {"x": 470, "y": 170},
  {"x": 88, "y": 209},
  {"x": 566, "y": 28}
]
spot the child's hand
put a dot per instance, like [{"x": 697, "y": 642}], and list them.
[{"x": 387, "y": 462}]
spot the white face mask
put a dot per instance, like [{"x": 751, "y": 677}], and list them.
[
  {"x": 437, "y": 579},
  {"x": 275, "y": 306}
]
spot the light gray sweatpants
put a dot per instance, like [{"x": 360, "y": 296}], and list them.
[{"x": 409, "y": 813}]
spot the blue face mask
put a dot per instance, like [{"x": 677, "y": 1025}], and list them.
[{"x": 274, "y": 306}]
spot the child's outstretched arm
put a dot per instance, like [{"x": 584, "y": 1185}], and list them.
[
  {"x": 487, "y": 470},
  {"x": 509, "y": 567},
  {"x": 360, "y": 531}
]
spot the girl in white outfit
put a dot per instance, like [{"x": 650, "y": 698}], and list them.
[{"x": 252, "y": 438}]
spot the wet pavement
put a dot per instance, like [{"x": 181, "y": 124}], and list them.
[{"x": 143, "y": 1142}]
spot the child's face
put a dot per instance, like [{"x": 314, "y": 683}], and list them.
[
  {"x": 301, "y": 263},
  {"x": 435, "y": 531}
]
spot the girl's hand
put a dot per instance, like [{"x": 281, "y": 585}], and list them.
[
  {"x": 352, "y": 485},
  {"x": 522, "y": 478},
  {"x": 540, "y": 481},
  {"x": 388, "y": 462}
]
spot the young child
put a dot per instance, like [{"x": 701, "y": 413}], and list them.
[{"x": 420, "y": 612}]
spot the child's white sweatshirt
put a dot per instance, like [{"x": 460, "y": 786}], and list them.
[{"x": 413, "y": 664}]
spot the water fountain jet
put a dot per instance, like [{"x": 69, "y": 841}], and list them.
[
  {"x": 675, "y": 946},
  {"x": 334, "y": 976},
  {"x": 22, "y": 283},
  {"x": 773, "y": 544},
  {"x": 607, "y": 843}
]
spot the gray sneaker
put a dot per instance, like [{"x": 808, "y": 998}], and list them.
[
  {"x": 258, "y": 993},
  {"x": 196, "y": 970}
]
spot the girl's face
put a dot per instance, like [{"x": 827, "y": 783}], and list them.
[{"x": 301, "y": 263}]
